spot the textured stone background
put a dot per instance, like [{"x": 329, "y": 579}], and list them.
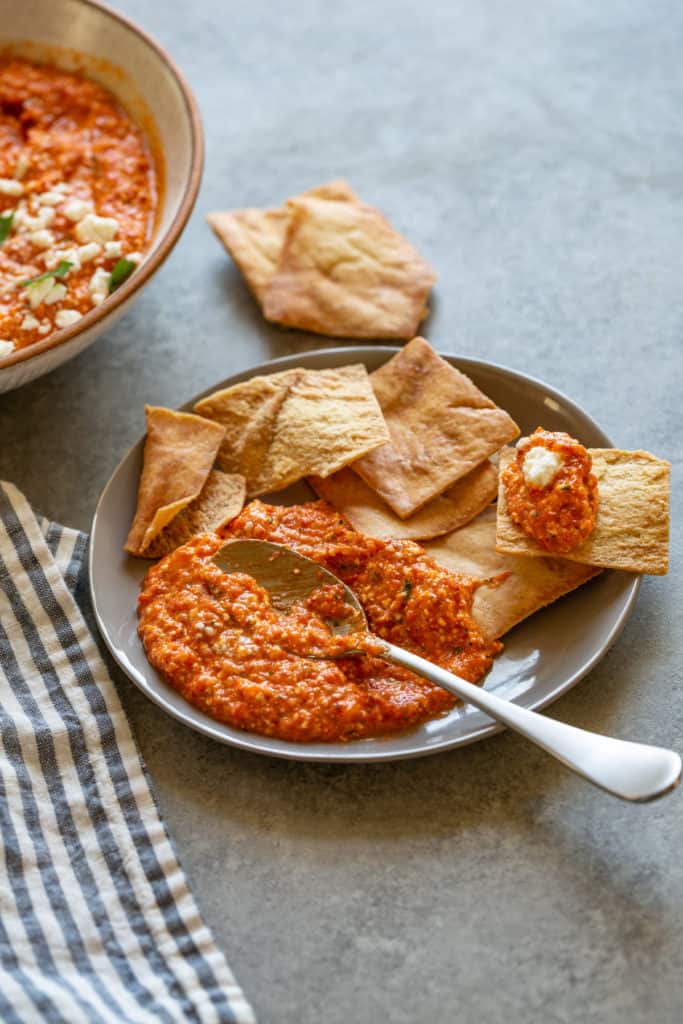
[{"x": 533, "y": 152}]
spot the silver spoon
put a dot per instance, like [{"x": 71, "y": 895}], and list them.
[{"x": 632, "y": 771}]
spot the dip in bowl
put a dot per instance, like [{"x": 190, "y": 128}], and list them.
[{"x": 95, "y": 186}]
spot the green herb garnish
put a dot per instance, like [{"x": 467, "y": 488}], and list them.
[
  {"x": 61, "y": 270},
  {"x": 407, "y": 589},
  {"x": 6, "y": 226},
  {"x": 457, "y": 650},
  {"x": 121, "y": 272}
]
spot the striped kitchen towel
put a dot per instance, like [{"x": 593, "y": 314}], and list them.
[{"x": 96, "y": 920}]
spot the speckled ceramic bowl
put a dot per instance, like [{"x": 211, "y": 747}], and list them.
[{"x": 85, "y": 36}]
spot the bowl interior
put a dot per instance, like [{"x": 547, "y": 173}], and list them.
[
  {"x": 76, "y": 35},
  {"x": 543, "y": 656},
  {"x": 85, "y": 37}
]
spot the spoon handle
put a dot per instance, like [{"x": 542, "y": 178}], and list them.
[{"x": 632, "y": 771}]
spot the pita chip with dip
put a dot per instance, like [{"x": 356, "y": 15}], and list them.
[{"x": 632, "y": 526}]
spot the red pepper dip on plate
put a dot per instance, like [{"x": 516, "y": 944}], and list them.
[
  {"x": 551, "y": 492},
  {"x": 215, "y": 637},
  {"x": 78, "y": 197}
]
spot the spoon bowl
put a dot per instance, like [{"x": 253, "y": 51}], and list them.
[{"x": 289, "y": 577}]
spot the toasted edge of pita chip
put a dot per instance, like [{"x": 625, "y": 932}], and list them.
[
  {"x": 346, "y": 272},
  {"x": 632, "y": 527},
  {"x": 254, "y": 238},
  {"x": 179, "y": 451},
  {"x": 441, "y": 427},
  {"x": 220, "y": 500},
  {"x": 532, "y": 583},
  {"x": 281, "y": 428},
  {"x": 366, "y": 511}
]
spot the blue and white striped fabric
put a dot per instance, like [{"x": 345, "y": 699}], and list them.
[{"x": 96, "y": 920}]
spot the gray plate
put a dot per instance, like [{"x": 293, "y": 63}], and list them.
[{"x": 543, "y": 657}]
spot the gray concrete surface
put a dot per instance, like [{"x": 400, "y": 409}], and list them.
[{"x": 533, "y": 152}]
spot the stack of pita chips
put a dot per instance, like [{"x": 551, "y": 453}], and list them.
[
  {"x": 409, "y": 452},
  {"x": 263, "y": 434},
  {"x": 180, "y": 494},
  {"x": 329, "y": 263},
  {"x": 435, "y": 482}
]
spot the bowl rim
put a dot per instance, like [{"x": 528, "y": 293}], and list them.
[{"x": 166, "y": 242}]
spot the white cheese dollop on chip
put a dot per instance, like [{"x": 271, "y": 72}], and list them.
[{"x": 540, "y": 466}]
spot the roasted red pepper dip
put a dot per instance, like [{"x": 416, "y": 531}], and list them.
[
  {"x": 216, "y": 638},
  {"x": 551, "y": 492},
  {"x": 78, "y": 197}
]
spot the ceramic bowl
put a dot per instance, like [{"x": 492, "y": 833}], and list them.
[{"x": 85, "y": 36}]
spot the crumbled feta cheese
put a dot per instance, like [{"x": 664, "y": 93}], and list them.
[
  {"x": 19, "y": 214},
  {"x": 42, "y": 219},
  {"x": 6, "y": 347},
  {"x": 88, "y": 252},
  {"x": 22, "y": 167},
  {"x": 67, "y": 317},
  {"x": 541, "y": 465},
  {"x": 134, "y": 257},
  {"x": 50, "y": 198},
  {"x": 45, "y": 327},
  {"x": 96, "y": 229},
  {"x": 112, "y": 249},
  {"x": 29, "y": 323},
  {"x": 11, "y": 187},
  {"x": 43, "y": 239},
  {"x": 56, "y": 293},
  {"x": 77, "y": 209},
  {"x": 37, "y": 291},
  {"x": 99, "y": 286},
  {"x": 64, "y": 256}
]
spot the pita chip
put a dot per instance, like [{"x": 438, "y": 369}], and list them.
[
  {"x": 179, "y": 452},
  {"x": 297, "y": 423},
  {"x": 632, "y": 527},
  {"x": 345, "y": 271},
  {"x": 255, "y": 238},
  {"x": 248, "y": 413},
  {"x": 366, "y": 511},
  {"x": 441, "y": 428},
  {"x": 219, "y": 501},
  {"x": 530, "y": 583}
]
